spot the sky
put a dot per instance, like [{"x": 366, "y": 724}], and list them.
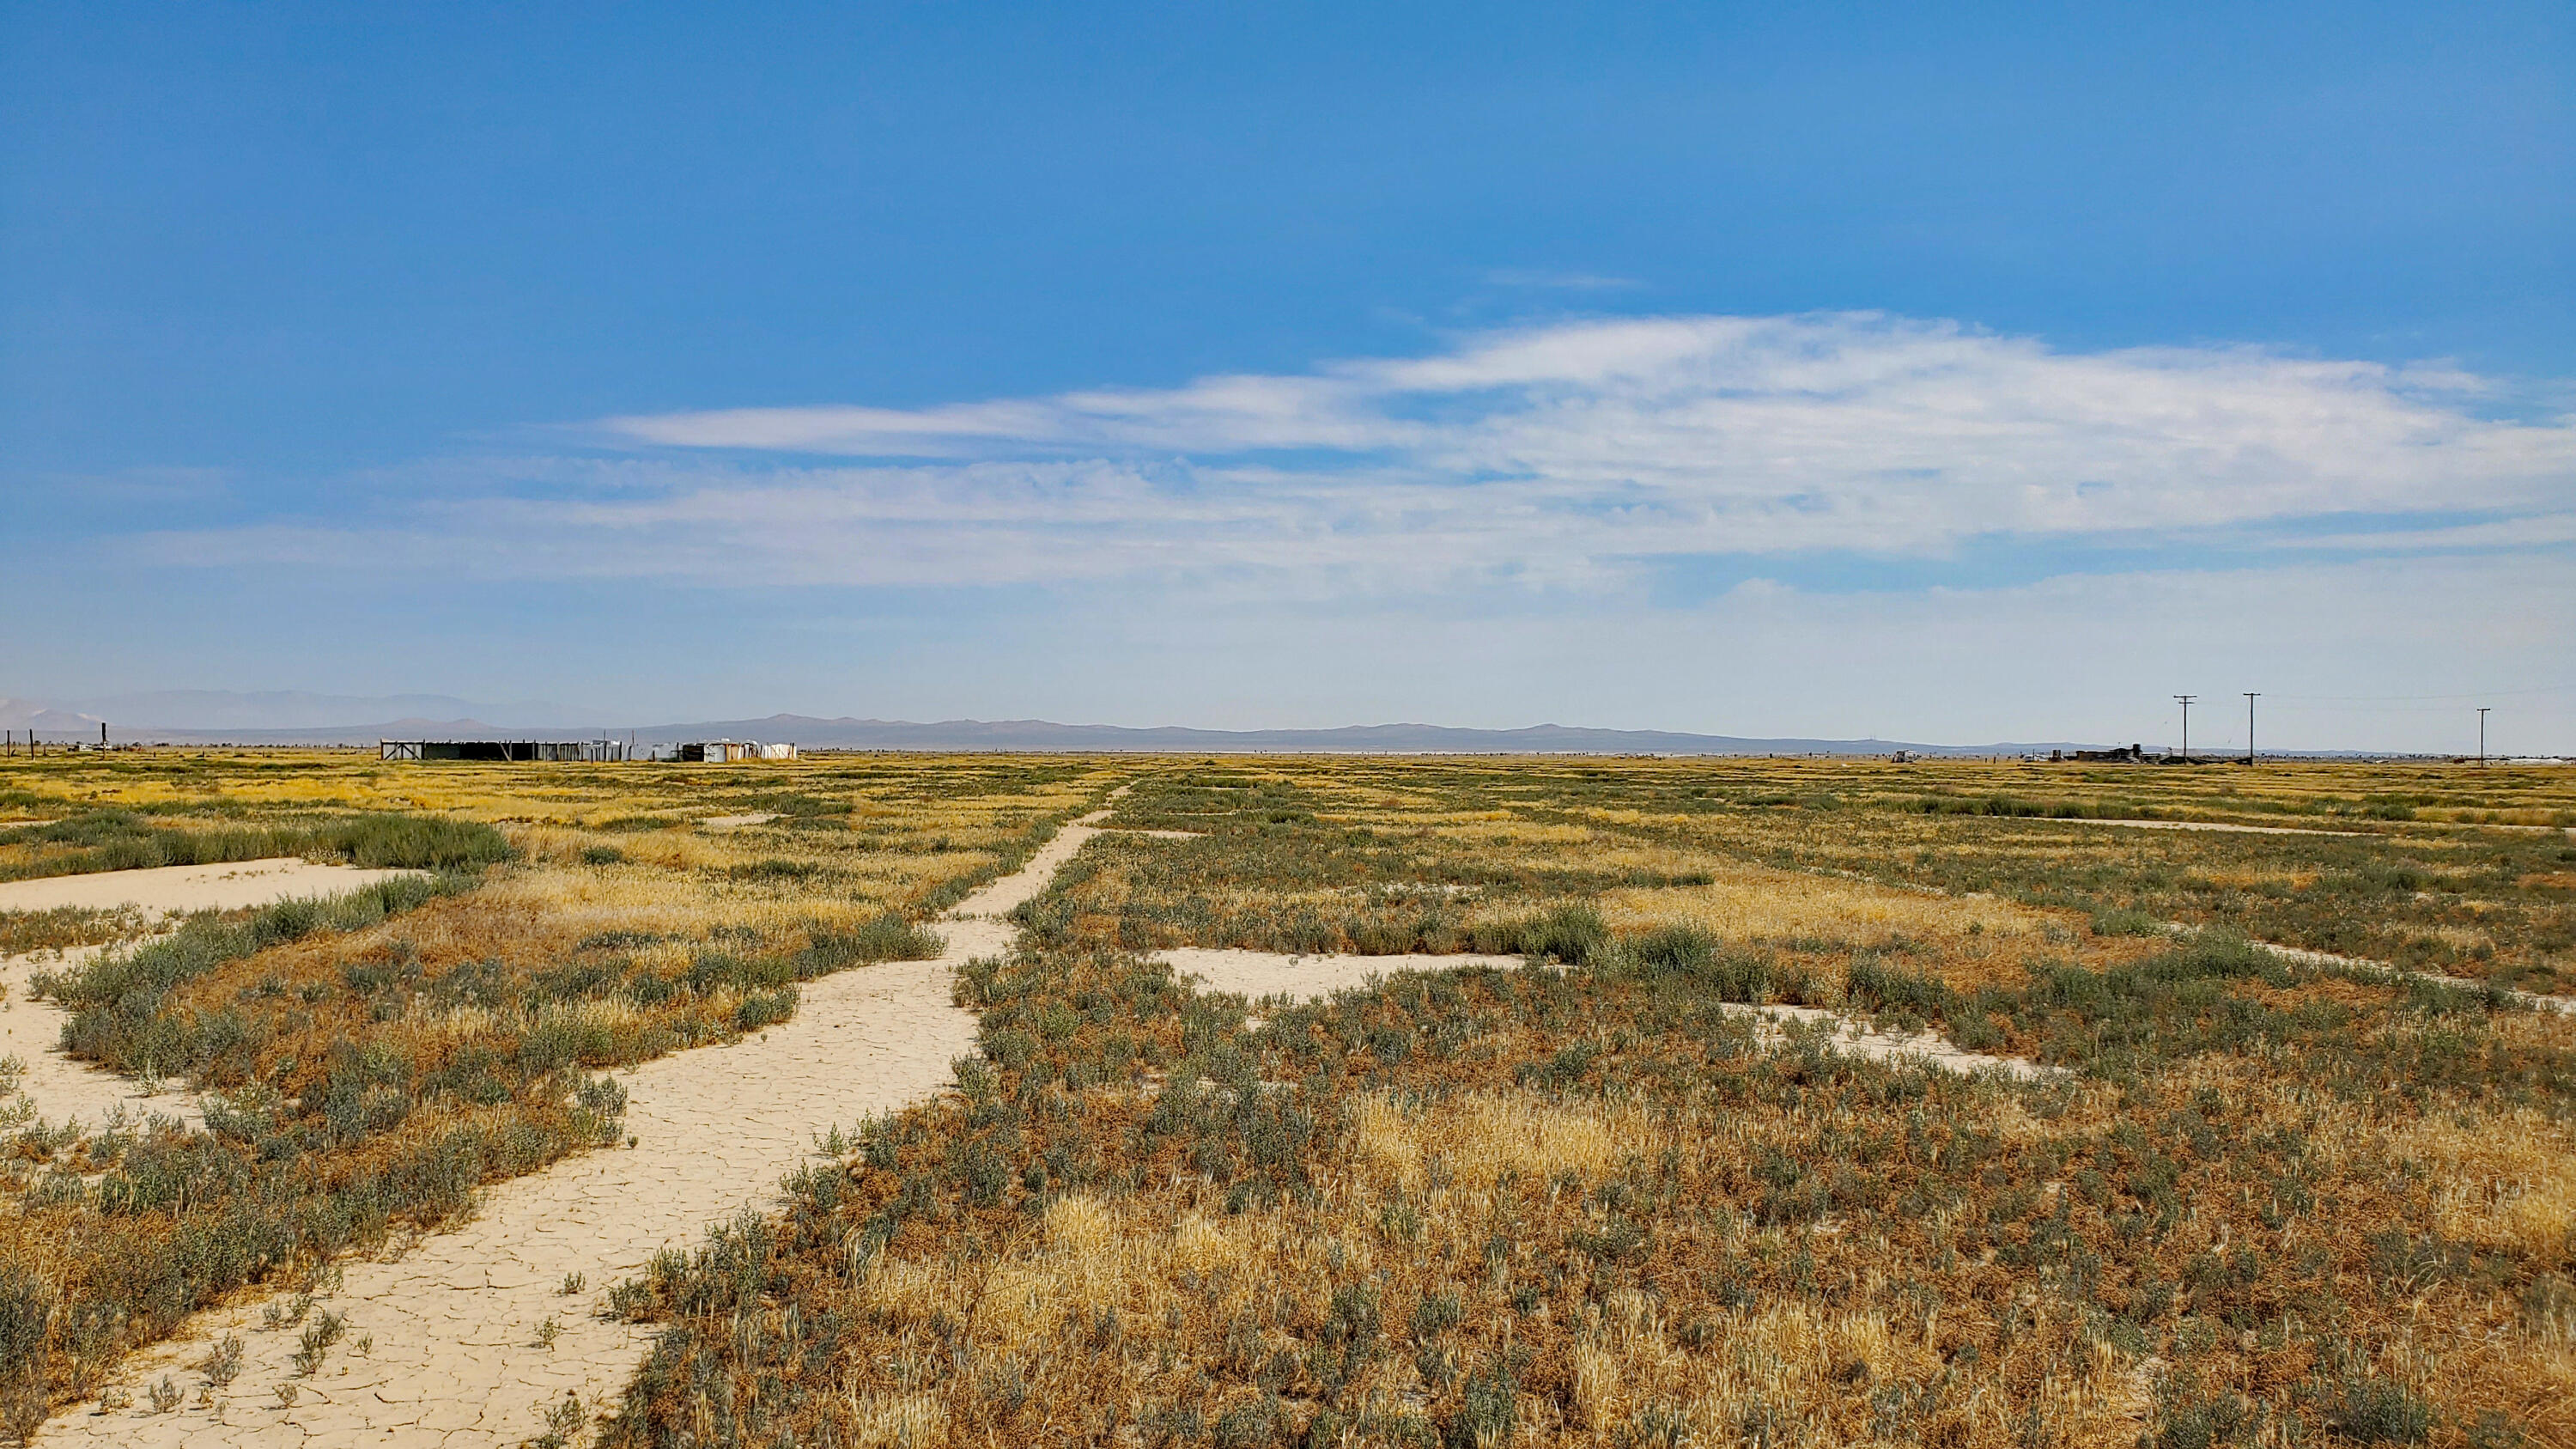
[{"x": 1951, "y": 374}]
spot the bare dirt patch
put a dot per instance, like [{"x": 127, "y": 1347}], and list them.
[
  {"x": 177, "y": 889},
  {"x": 31, "y": 1030},
  {"x": 1263, "y": 974},
  {"x": 460, "y": 1351}
]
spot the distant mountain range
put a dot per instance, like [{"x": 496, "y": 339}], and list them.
[
  {"x": 295, "y": 718},
  {"x": 1411, "y": 739}
]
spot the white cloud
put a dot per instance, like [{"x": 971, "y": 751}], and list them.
[
  {"x": 2537, "y": 531},
  {"x": 1566, "y": 457},
  {"x": 1690, "y": 435}
]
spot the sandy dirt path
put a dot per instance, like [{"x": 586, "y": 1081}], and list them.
[
  {"x": 1269, "y": 973},
  {"x": 1931, "y": 1048},
  {"x": 30, "y": 1030},
  {"x": 2217, "y": 825},
  {"x": 1259, "y": 974},
  {"x": 171, "y": 890},
  {"x": 456, "y": 1357},
  {"x": 65, "y": 1090},
  {"x": 2304, "y": 956}
]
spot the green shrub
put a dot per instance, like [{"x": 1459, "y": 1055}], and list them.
[
  {"x": 887, "y": 938},
  {"x": 774, "y": 868},
  {"x": 414, "y": 842},
  {"x": 1686, "y": 950},
  {"x": 1571, "y": 934},
  {"x": 765, "y": 1008},
  {"x": 2118, "y": 921},
  {"x": 1693, "y": 958},
  {"x": 2372, "y": 1410},
  {"x": 1872, "y": 983},
  {"x": 104, "y": 840},
  {"x": 115, "y": 1000}
]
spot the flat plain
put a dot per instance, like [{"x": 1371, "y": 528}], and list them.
[{"x": 1297, "y": 1100}]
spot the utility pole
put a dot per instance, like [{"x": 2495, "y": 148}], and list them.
[
  {"x": 2250, "y": 696},
  {"x": 2186, "y": 725},
  {"x": 2482, "y": 735}
]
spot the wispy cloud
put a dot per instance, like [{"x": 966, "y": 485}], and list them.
[
  {"x": 1559, "y": 281},
  {"x": 2533, "y": 531},
  {"x": 1564, "y": 456}
]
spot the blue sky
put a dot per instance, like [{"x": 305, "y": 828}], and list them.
[{"x": 1941, "y": 372}]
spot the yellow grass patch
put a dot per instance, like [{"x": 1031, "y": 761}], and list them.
[
  {"x": 1751, "y": 903},
  {"x": 1484, "y": 1137},
  {"x": 896, "y": 1421},
  {"x": 1522, "y": 832},
  {"x": 2509, "y": 1181}
]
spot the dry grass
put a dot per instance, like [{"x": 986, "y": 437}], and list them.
[
  {"x": 1769, "y": 1245},
  {"x": 2264, "y": 1203},
  {"x": 378, "y": 1065},
  {"x": 2267, "y": 1204},
  {"x": 1765, "y": 906},
  {"x": 2504, "y": 1180},
  {"x": 1309, "y": 855}
]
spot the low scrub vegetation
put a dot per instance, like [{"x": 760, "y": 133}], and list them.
[
  {"x": 368, "y": 1060},
  {"x": 117, "y": 839},
  {"x": 1590, "y": 1206},
  {"x": 1596, "y": 1202},
  {"x": 27, "y": 932},
  {"x": 2460, "y": 871},
  {"x": 1594, "y": 1199}
]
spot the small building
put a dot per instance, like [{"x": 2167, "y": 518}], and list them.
[
  {"x": 586, "y": 751},
  {"x": 2134, "y": 754},
  {"x": 732, "y": 752}
]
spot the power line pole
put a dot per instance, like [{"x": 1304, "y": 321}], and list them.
[
  {"x": 2186, "y": 725},
  {"x": 2250, "y": 696},
  {"x": 2482, "y": 735}
]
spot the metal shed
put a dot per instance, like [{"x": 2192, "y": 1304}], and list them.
[{"x": 501, "y": 750}]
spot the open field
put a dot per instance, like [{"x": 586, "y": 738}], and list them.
[
  {"x": 369, "y": 1060},
  {"x": 2205, "y": 1195},
  {"x": 2449, "y": 869}
]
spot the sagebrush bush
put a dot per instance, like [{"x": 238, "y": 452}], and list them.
[{"x": 114, "y": 839}]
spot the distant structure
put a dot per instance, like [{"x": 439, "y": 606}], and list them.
[
  {"x": 502, "y": 750},
  {"x": 2134, "y": 755},
  {"x": 733, "y": 752},
  {"x": 599, "y": 751}
]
